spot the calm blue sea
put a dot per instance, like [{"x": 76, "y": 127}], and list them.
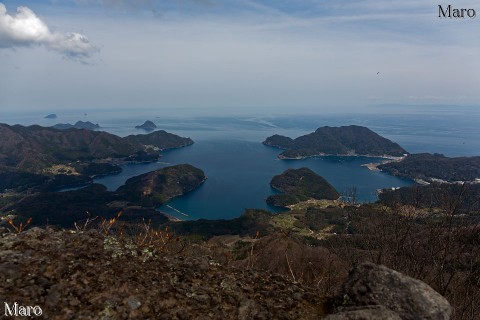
[{"x": 239, "y": 167}]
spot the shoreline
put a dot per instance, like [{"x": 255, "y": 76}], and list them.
[
  {"x": 170, "y": 217},
  {"x": 386, "y": 157},
  {"x": 373, "y": 166}
]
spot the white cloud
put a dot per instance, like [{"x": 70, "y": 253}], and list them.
[{"x": 25, "y": 28}]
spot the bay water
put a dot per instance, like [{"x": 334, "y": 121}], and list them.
[{"x": 239, "y": 167}]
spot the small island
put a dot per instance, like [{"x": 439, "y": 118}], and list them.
[
  {"x": 147, "y": 126},
  {"x": 339, "y": 141},
  {"x": 51, "y": 116},
  {"x": 299, "y": 185},
  {"x": 78, "y": 125},
  {"x": 159, "y": 140}
]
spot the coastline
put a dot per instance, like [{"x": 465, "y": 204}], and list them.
[
  {"x": 170, "y": 217},
  {"x": 387, "y": 157},
  {"x": 373, "y": 166}
]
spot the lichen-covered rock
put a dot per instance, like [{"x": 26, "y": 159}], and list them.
[
  {"x": 411, "y": 299},
  {"x": 365, "y": 313}
]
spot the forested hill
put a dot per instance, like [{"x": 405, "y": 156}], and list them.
[
  {"x": 34, "y": 148},
  {"x": 157, "y": 187},
  {"x": 137, "y": 199},
  {"x": 345, "y": 141},
  {"x": 299, "y": 185},
  {"x": 160, "y": 139},
  {"x": 428, "y": 166}
]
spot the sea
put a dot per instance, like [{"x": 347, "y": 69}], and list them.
[{"x": 229, "y": 149}]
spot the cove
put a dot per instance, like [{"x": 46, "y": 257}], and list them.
[{"x": 239, "y": 173}]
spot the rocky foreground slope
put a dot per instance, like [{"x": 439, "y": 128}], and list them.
[{"x": 87, "y": 275}]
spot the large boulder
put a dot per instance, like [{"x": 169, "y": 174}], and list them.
[{"x": 370, "y": 284}]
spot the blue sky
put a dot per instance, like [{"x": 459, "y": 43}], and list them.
[{"x": 234, "y": 55}]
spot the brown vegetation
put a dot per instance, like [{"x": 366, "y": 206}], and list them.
[{"x": 321, "y": 243}]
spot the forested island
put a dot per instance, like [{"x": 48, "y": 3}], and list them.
[
  {"x": 341, "y": 141},
  {"x": 299, "y": 185}
]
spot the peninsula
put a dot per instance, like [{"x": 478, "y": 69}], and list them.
[
  {"x": 340, "y": 141},
  {"x": 46, "y": 158},
  {"x": 435, "y": 168},
  {"x": 137, "y": 199}
]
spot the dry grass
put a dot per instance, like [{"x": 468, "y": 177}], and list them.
[{"x": 18, "y": 228}]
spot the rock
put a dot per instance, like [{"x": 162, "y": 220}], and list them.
[
  {"x": 51, "y": 116},
  {"x": 133, "y": 303},
  {"x": 365, "y": 313},
  {"x": 34, "y": 233},
  {"x": 371, "y": 284},
  {"x": 3, "y": 230}
]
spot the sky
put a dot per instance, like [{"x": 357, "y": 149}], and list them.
[{"x": 236, "y": 55}]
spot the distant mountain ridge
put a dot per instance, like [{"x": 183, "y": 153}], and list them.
[{"x": 343, "y": 141}]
